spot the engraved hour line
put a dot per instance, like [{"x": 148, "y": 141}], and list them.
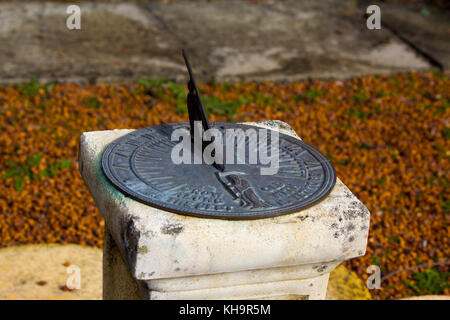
[
  {"x": 289, "y": 171},
  {"x": 133, "y": 143},
  {"x": 285, "y": 163},
  {"x": 147, "y": 158},
  {"x": 301, "y": 153},
  {"x": 161, "y": 178},
  {"x": 295, "y": 148},
  {"x": 151, "y": 137},
  {"x": 148, "y": 136},
  {"x": 121, "y": 155},
  {"x": 292, "y": 177},
  {"x": 146, "y": 155},
  {"x": 150, "y": 178},
  {"x": 160, "y": 148},
  {"x": 150, "y": 170},
  {"x": 288, "y": 161},
  {"x": 155, "y": 149},
  {"x": 291, "y": 157},
  {"x": 295, "y": 168},
  {"x": 160, "y": 141},
  {"x": 164, "y": 187},
  {"x": 149, "y": 173},
  {"x": 144, "y": 152},
  {"x": 151, "y": 167},
  {"x": 292, "y": 168},
  {"x": 165, "y": 184},
  {"x": 120, "y": 167},
  {"x": 176, "y": 188}
]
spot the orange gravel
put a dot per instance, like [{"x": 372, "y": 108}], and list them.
[{"x": 387, "y": 136}]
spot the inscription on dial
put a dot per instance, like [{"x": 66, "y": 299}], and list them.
[{"x": 139, "y": 164}]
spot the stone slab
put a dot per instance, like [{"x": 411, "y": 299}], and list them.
[
  {"x": 37, "y": 272},
  {"x": 18, "y": 262},
  {"x": 426, "y": 28},
  {"x": 21, "y": 267},
  {"x": 298, "y": 289},
  {"x": 284, "y": 40},
  {"x": 226, "y": 40},
  {"x": 221, "y": 280},
  {"x": 345, "y": 285},
  {"x": 117, "y": 41},
  {"x": 157, "y": 244}
]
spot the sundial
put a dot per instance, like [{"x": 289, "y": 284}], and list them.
[{"x": 141, "y": 165}]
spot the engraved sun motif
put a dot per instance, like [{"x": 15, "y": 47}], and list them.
[{"x": 244, "y": 193}]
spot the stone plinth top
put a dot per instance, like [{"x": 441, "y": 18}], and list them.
[{"x": 157, "y": 244}]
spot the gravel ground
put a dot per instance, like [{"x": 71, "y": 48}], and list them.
[{"x": 387, "y": 136}]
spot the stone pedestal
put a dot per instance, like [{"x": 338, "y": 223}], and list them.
[{"x": 154, "y": 254}]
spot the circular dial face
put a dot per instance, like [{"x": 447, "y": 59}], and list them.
[{"x": 141, "y": 165}]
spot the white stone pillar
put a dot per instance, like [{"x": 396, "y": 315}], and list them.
[{"x": 150, "y": 253}]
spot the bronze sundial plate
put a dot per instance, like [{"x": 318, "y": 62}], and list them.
[{"x": 140, "y": 165}]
